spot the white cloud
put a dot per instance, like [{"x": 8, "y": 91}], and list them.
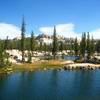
[
  {"x": 95, "y": 33},
  {"x": 67, "y": 30},
  {"x": 9, "y": 30}
]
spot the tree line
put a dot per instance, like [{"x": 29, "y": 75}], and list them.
[{"x": 86, "y": 45}]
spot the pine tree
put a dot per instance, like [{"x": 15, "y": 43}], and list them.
[
  {"x": 55, "y": 47},
  {"x": 32, "y": 43},
  {"x": 23, "y": 40},
  {"x": 45, "y": 48},
  {"x": 2, "y": 53},
  {"x": 29, "y": 57},
  {"x": 61, "y": 46},
  {"x": 41, "y": 46},
  {"x": 83, "y": 44},
  {"x": 92, "y": 46},
  {"x": 88, "y": 47},
  {"x": 76, "y": 49},
  {"x": 98, "y": 46},
  {"x": 71, "y": 47},
  {"x": 6, "y": 44},
  {"x": 6, "y": 47}
]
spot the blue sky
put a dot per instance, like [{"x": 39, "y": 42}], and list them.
[{"x": 83, "y": 14}]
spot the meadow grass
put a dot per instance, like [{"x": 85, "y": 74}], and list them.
[{"x": 51, "y": 64}]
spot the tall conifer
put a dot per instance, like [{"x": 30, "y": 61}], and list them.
[
  {"x": 54, "y": 47},
  {"x": 23, "y": 39}
]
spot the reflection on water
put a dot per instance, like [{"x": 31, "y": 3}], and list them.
[{"x": 51, "y": 85}]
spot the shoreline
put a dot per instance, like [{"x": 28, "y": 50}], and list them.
[{"x": 48, "y": 65}]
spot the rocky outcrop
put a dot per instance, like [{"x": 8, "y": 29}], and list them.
[{"x": 81, "y": 66}]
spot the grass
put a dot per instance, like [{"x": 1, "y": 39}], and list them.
[
  {"x": 42, "y": 65},
  {"x": 51, "y": 64}
]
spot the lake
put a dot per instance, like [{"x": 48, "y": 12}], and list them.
[
  {"x": 51, "y": 85},
  {"x": 71, "y": 58}
]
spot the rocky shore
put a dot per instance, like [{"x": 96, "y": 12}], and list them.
[
  {"x": 49, "y": 65},
  {"x": 82, "y": 66}
]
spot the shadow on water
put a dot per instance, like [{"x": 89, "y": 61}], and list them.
[{"x": 51, "y": 85}]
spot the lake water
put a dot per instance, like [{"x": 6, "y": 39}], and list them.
[
  {"x": 71, "y": 57},
  {"x": 51, "y": 85}
]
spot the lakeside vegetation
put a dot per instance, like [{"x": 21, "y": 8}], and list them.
[
  {"x": 52, "y": 64},
  {"x": 48, "y": 65}
]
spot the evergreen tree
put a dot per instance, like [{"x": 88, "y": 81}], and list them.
[
  {"x": 45, "y": 48},
  {"x": 54, "y": 47},
  {"x": 50, "y": 47},
  {"x": 98, "y": 46},
  {"x": 92, "y": 46},
  {"x": 6, "y": 44},
  {"x": 76, "y": 49},
  {"x": 61, "y": 46},
  {"x": 41, "y": 46},
  {"x": 88, "y": 47},
  {"x": 29, "y": 57},
  {"x": 32, "y": 43},
  {"x": 71, "y": 46},
  {"x": 2, "y": 54},
  {"x": 5, "y": 47},
  {"x": 23, "y": 40},
  {"x": 83, "y": 44}
]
